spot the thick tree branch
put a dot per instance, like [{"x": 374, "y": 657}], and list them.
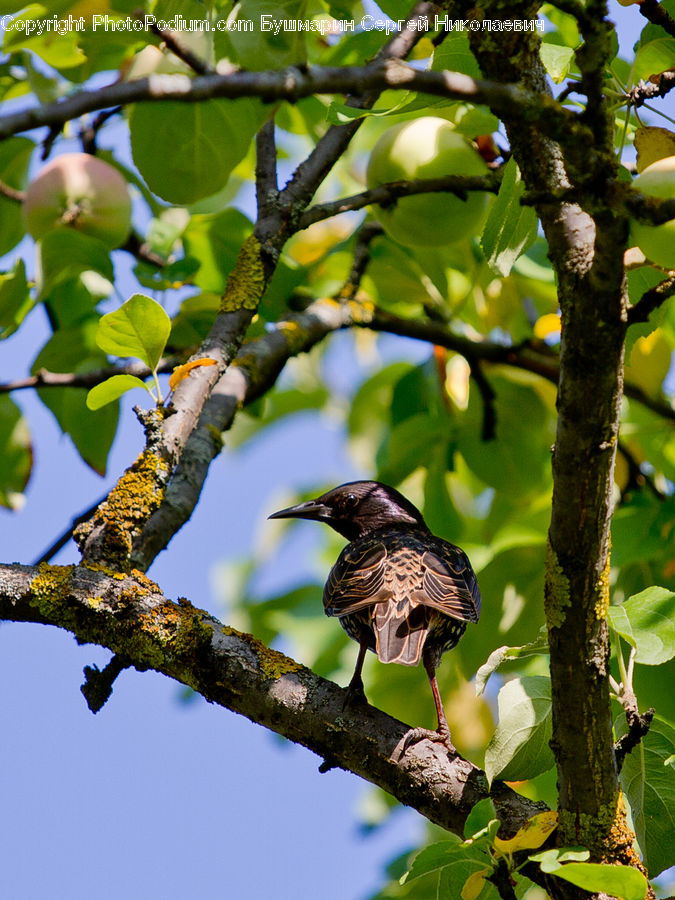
[
  {"x": 293, "y": 84},
  {"x": 586, "y": 250},
  {"x": 132, "y": 618}
]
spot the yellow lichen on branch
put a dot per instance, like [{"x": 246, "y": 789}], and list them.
[
  {"x": 246, "y": 282},
  {"x": 272, "y": 664},
  {"x": 129, "y": 505},
  {"x": 557, "y": 590}
]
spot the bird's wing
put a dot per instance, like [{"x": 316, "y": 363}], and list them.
[
  {"x": 356, "y": 579},
  {"x": 449, "y": 584}
]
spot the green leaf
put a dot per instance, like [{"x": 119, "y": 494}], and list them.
[
  {"x": 186, "y": 151},
  {"x": 510, "y": 228},
  {"x": 15, "y": 299},
  {"x": 647, "y": 621},
  {"x": 15, "y": 155},
  {"x": 504, "y": 654},
  {"x": 139, "y": 328},
  {"x": 434, "y": 857},
  {"x": 550, "y": 860},
  {"x": 113, "y": 388},
  {"x": 518, "y": 462},
  {"x": 652, "y": 58},
  {"x": 409, "y": 445},
  {"x": 455, "y": 55},
  {"x": 16, "y": 453},
  {"x": 215, "y": 241},
  {"x": 58, "y": 50},
  {"x": 556, "y": 60},
  {"x": 92, "y": 432},
  {"x": 262, "y": 48},
  {"x": 622, "y": 882},
  {"x": 66, "y": 253},
  {"x": 519, "y": 748},
  {"x": 482, "y": 814},
  {"x": 648, "y": 780}
]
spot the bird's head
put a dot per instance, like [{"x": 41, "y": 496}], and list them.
[{"x": 357, "y": 508}]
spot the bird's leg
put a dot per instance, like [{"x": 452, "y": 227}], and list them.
[
  {"x": 442, "y": 735},
  {"x": 355, "y": 692}
]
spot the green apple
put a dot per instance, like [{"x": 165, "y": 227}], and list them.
[
  {"x": 657, "y": 242},
  {"x": 79, "y": 191},
  {"x": 428, "y": 147}
]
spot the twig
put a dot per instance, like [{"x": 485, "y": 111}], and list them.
[
  {"x": 657, "y": 15},
  {"x": 142, "y": 252},
  {"x": 636, "y": 477},
  {"x": 489, "y": 427},
  {"x": 11, "y": 193},
  {"x": 63, "y": 539},
  {"x": 89, "y": 133},
  {"x": 172, "y": 41},
  {"x": 266, "y": 184},
  {"x": 367, "y": 233},
  {"x": 386, "y": 194},
  {"x": 638, "y": 726},
  {"x": 657, "y": 86},
  {"x": 501, "y": 878},
  {"x": 98, "y": 683},
  {"x": 45, "y": 378},
  {"x": 651, "y": 300}
]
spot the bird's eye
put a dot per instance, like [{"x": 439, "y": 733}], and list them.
[{"x": 351, "y": 500}]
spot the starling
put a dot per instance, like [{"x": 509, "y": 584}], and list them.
[{"x": 396, "y": 588}]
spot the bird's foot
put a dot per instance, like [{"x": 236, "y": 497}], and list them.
[
  {"x": 415, "y": 735},
  {"x": 355, "y": 696}
]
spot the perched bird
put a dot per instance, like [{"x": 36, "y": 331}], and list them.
[{"x": 397, "y": 589}]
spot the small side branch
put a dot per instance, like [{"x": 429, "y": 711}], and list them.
[
  {"x": 638, "y": 726},
  {"x": 657, "y": 15},
  {"x": 651, "y": 300},
  {"x": 652, "y": 89},
  {"x": 175, "y": 45},
  {"x": 385, "y": 194},
  {"x": 266, "y": 184},
  {"x": 98, "y": 683}
]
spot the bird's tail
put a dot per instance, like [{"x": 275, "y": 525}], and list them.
[{"x": 400, "y": 632}]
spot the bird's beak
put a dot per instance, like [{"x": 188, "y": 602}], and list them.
[{"x": 312, "y": 509}]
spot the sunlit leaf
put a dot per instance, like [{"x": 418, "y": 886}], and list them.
[
  {"x": 519, "y": 748},
  {"x": 510, "y": 228},
  {"x": 647, "y": 621},
  {"x": 648, "y": 780},
  {"x": 111, "y": 389},
  {"x": 139, "y": 328},
  {"x": 186, "y": 151}
]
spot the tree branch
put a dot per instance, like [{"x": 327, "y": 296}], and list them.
[
  {"x": 386, "y": 194},
  {"x": 293, "y": 84},
  {"x": 657, "y": 86},
  {"x": 651, "y": 300},
  {"x": 656, "y": 14},
  {"x": 175, "y": 45},
  {"x": 132, "y": 618}
]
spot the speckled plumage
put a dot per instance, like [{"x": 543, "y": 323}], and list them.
[{"x": 397, "y": 589}]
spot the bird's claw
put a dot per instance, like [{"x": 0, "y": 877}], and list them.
[
  {"x": 415, "y": 735},
  {"x": 355, "y": 696}
]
